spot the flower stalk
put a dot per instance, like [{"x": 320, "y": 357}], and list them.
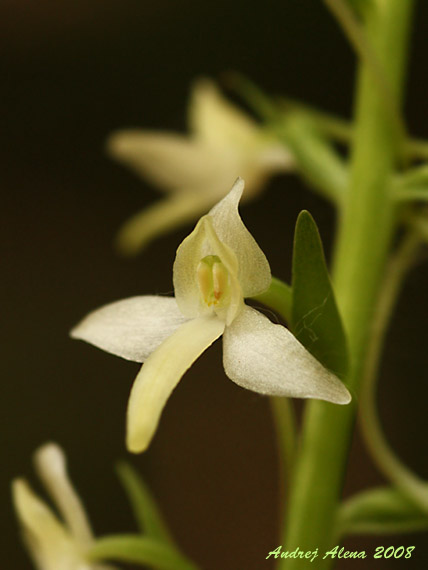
[
  {"x": 365, "y": 231},
  {"x": 413, "y": 487}
]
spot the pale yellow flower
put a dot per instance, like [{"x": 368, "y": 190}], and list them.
[
  {"x": 216, "y": 267},
  {"x": 54, "y": 545},
  {"x": 223, "y": 143}
]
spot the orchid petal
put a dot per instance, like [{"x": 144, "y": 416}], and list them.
[
  {"x": 131, "y": 328},
  {"x": 273, "y": 157},
  {"x": 161, "y": 373},
  {"x": 203, "y": 241},
  {"x": 213, "y": 119},
  {"x": 161, "y": 217},
  {"x": 170, "y": 161},
  {"x": 267, "y": 358},
  {"x": 253, "y": 268},
  {"x": 48, "y": 541},
  {"x": 51, "y": 466}
]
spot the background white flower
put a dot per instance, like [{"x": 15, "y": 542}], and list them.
[
  {"x": 54, "y": 545},
  {"x": 194, "y": 170},
  {"x": 216, "y": 266}
]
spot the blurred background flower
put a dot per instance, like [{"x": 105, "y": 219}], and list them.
[{"x": 223, "y": 144}]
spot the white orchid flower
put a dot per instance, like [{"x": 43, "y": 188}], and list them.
[
  {"x": 54, "y": 545},
  {"x": 194, "y": 170},
  {"x": 216, "y": 266}
]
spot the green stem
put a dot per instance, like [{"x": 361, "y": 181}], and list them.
[
  {"x": 412, "y": 185},
  {"x": 342, "y": 131},
  {"x": 416, "y": 193},
  {"x": 410, "y": 484},
  {"x": 357, "y": 37},
  {"x": 277, "y": 298},
  {"x": 364, "y": 237},
  {"x": 330, "y": 125},
  {"x": 285, "y": 425},
  {"x": 316, "y": 159}
]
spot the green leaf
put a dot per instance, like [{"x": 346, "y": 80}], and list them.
[
  {"x": 381, "y": 510},
  {"x": 316, "y": 322},
  {"x": 146, "y": 512},
  {"x": 140, "y": 550},
  {"x": 277, "y": 297}
]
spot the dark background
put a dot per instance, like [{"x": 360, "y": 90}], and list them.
[{"x": 73, "y": 71}]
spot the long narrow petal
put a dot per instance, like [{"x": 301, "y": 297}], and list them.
[
  {"x": 50, "y": 463},
  {"x": 161, "y": 373},
  {"x": 162, "y": 217},
  {"x": 170, "y": 161},
  {"x": 253, "y": 267},
  {"x": 50, "y": 545},
  {"x": 131, "y": 328},
  {"x": 268, "y": 359}
]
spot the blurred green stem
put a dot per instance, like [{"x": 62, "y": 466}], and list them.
[
  {"x": 316, "y": 159},
  {"x": 364, "y": 235},
  {"x": 384, "y": 457},
  {"x": 342, "y": 131},
  {"x": 285, "y": 426},
  {"x": 357, "y": 37}
]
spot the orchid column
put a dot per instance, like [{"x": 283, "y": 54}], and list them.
[{"x": 364, "y": 237}]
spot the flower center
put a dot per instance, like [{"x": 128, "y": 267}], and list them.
[{"x": 213, "y": 281}]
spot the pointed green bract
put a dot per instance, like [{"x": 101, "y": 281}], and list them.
[
  {"x": 315, "y": 321},
  {"x": 381, "y": 510},
  {"x": 139, "y": 550},
  {"x": 147, "y": 514}
]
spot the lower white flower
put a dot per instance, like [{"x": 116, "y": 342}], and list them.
[
  {"x": 54, "y": 545},
  {"x": 216, "y": 267}
]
